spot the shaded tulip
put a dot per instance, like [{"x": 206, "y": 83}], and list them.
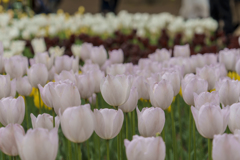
[
  {"x": 226, "y": 147},
  {"x": 161, "y": 94},
  {"x": 65, "y": 75},
  {"x": 45, "y": 59},
  {"x": 181, "y": 50},
  {"x": 116, "y": 89},
  {"x": 141, "y": 148},
  {"x": 85, "y": 84},
  {"x": 116, "y": 56},
  {"x": 23, "y": 86},
  {"x": 210, "y": 58},
  {"x": 7, "y": 139},
  {"x": 38, "y": 144},
  {"x": 98, "y": 55},
  {"x": 237, "y": 67},
  {"x": 234, "y": 117},
  {"x": 150, "y": 121},
  {"x": 210, "y": 120},
  {"x": 141, "y": 84},
  {"x": 132, "y": 101},
  {"x": 228, "y": 57},
  {"x": 65, "y": 63},
  {"x": 60, "y": 95},
  {"x": 175, "y": 80},
  {"x": 12, "y": 110},
  {"x": 89, "y": 67},
  {"x": 37, "y": 74},
  {"x": 206, "y": 98},
  {"x": 228, "y": 91},
  {"x": 44, "y": 121},
  {"x": 13, "y": 88},
  {"x": 192, "y": 84},
  {"x": 51, "y": 73},
  {"x": 210, "y": 74},
  {"x": 5, "y": 85},
  {"x": 198, "y": 61},
  {"x": 16, "y": 66},
  {"x": 77, "y": 123},
  {"x": 108, "y": 122},
  {"x": 92, "y": 100}
]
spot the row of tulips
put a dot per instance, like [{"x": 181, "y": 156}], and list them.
[{"x": 116, "y": 92}]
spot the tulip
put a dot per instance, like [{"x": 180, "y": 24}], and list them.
[
  {"x": 228, "y": 57},
  {"x": 6, "y": 86},
  {"x": 51, "y": 74},
  {"x": 228, "y": 91},
  {"x": 92, "y": 100},
  {"x": 16, "y": 66},
  {"x": 132, "y": 101},
  {"x": 141, "y": 84},
  {"x": 85, "y": 85},
  {"x": 98, "y": 55},
  {"x": 181, "y": 50},
  {"x": 13, "y": 88},
  {"x": 141, "y": 148},
  {"x": 210, "y": 120},
  {"x": 206, "y": 98},
  {"x": 38, "y": 45},
  {"x": 237, "y": 131},
  {"x": 226, "y": 147},
  {"x": 38, "y": 144},
  {"x": 56, "y": 51},
  {"x": 116, "y": 69},
  {"x": 161, "y": 94},
  {"x": 234, "y": 117},
  {"x": 108, "y": 122},
  {"x": 12, "y": 110},
  {"x": 65, "y": 63},
  {"x": 237, "y": 67},
  {"x": 24, "y": 88},
  {"x": 116, "y": 89},
  {"x": 60, "y": 95},
  {"x": 198, "y": 61},
  {"x": 77, "y": 123},
  {"x": 1, "y": 63},
  {"x": 65, "y": 75},
  {"x": 210, "y": 58},
  {"x": 37, "y": 74},
  {"x": 44, "y": 121},
  {"x": 7, "y": 141},
  {"x": 89, "y": 67},
  {"x": 160, "y": 55},
  {"x": 45, "y": 59},
  {"x": 175, "y": 80},
  {"x": 192, "y": 84},
  {"x": 210, "y": 74},
  {"x": 86, "y": 51},
  {"x": 116, "y": 56},
  {"x": 76, "y": 50},
  {"x": 107, "y": 64},
  {"x": 150, "y": 121}
]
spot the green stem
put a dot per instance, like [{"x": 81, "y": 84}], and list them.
[
  {"x": 14, "y": 157},
  {"x": 118, "y": 146},
  {"x": 194, "y": 142},
  {"x": 96, "y": 106},
  {"x": 26, "y": 114},
  {"x": 40, "y": 107},
  {"x": 69, "y": 150},
  {"x": 126, "y": 115},
  {"x": 209, "y": 149},
  {"x": 180, "y": 124},
  {"x": 173, "y": 135},
  {"x": 53, "y": 113},
  {"x": 190, "y": 134},
  {"x": 88, "y": 150},
  {"x": 108, "y": 153},
  {"x": 76, "y": 151},
  {"x": 121, "y": 141},
  {"x": 79, "y": 152},
  {"x": 163, "y": 134},
  {"x": 99, "y": 149},
  {"x": 133, "y": 122}
]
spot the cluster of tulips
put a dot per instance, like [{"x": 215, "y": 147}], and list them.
[{"x": 104, "y": 95}]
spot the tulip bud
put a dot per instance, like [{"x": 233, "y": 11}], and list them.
[
  {"x": 7, "y": 141},
  {"x": 85, "y": 85},
  {"x": 65, "y": 75},
  {"x": 16, "y": 66},
  {"x": 45, "y": 59},
  {"x": 77, "y": 123},
  {"x": 116, "y": 89},
  {"x": 108, "y": 122},
  {"x": 234, "y": 117},
  {"x": 192, "y": 84},
  {"x": 210, "y": 120},
  {"x": 5, "y": 85},
  {"x": 161, "y": 94},
  {"x": 38, "y": 144},
  {"x": 206, "y": 98},
  {"x": 141, "y": 148},
  {"x": 226, "y": 147},
  {"x": 116, "y": 56},
  {"x": 181, "y": 50},
  {"x": 210, "y": 74},
  {"x": 228, "y": 91},
  {"x": 12, "y": 110},
  {"x": 98, "y": 55},
  {"x": 37, "y": 74},
  {"x": 228, "y": 57},
  {"x": 60, "y": 95},
  {"x": 24, "y": 88},
  {"x": 132, "y": 101},
  {"x": 150, "y": 121},
  {"x": 44, "y": 121}
]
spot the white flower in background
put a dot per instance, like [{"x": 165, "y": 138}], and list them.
[
  {"x": 38, "y": 45},
  {"x": 181, "y": 51},
  {"x": 76, "y": 50},
  {"x": 57, "y": 51},
  {"x": 17, "y": 46}
]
